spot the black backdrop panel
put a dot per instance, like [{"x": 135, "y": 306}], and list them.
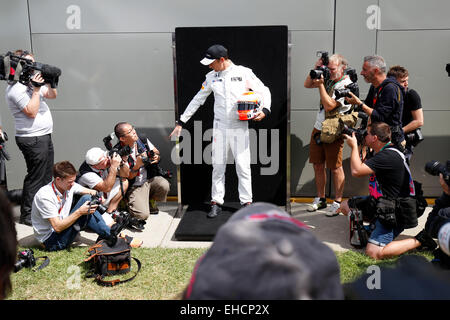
[{"x": 263, "y": 49}]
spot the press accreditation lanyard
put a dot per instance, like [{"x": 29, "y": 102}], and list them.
[{"x": 60, "y": 201}]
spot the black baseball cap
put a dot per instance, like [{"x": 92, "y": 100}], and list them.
[{"x": 214, "y": 52}]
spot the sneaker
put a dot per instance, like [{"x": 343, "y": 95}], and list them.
[
  {"x": 426, "y": 241},
  {"x": 334, "y": 207},
  {"x": 215, "y": 210},
  {"x": 317, "y": 205}
]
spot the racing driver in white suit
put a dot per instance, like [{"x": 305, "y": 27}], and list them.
[{"x": 228, "y": 82}]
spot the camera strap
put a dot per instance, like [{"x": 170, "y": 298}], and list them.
[
  {"x": 412, "y": 190},
  {"x": 44, "y": 264}
]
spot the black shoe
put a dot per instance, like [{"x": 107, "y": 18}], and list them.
[
  {"x": 426, "y": 241},
  {"x": 246, "y": 204},
  {"x": 215, "y": 210},
  {"x": 25, "y": 220}
]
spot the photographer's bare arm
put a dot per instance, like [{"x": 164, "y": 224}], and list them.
[
  {"x": 62, "y": 224},
  {"x": 107, "y": 184},
  {"x": 32, "y": 108}
]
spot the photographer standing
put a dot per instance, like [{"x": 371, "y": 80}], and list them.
[
  {"x": 104, "y": 173},
  {"x": 145, "y": 187},
  {"x": 412, "y": 118},
  {"x": 384, "y": 102},
  {"x": 55, "y": 223},
  {"x": 328, "y": 153},
  {"x": 34, "y": 126},
  {"x": 395, "y": 181}
]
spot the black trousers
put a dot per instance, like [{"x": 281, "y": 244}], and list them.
[{"x": 39, "y": 155}]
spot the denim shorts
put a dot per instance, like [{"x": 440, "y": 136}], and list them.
[{"x": 381, "y": 236}]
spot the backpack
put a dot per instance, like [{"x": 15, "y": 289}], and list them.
[{"x": 109, "y": 260}]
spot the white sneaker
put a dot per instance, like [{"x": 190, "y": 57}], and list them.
[
  {"x": 334, "y": 207},
  {"x": 316, "y": 205}
]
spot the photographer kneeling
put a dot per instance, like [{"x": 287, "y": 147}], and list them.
[
  {"x": 55, "y": 223},
  {"x": 395, "y": 181},
  {"x": 104, "y": 172},
  {"x": 146, "y": 185}
]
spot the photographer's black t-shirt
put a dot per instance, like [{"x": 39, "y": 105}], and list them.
[
  {"x": 412, "y": 102},
  {"x": 392, "y": 176}
]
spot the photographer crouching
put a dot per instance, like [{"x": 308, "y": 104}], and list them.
[
  {"x": 395, "y": 210},
  {"x": 438, "y": 221},
  {"x": 147, "y": 184},
  {"x": 104, "y": 173}
]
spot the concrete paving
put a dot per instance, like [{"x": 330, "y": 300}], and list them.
[{"x": 160, "y": 229}]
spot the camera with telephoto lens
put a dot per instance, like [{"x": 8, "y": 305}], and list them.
[
  {"x": 16, "y": 68},
  {"x": 97, "y": 200},
  {"x": 154, "y": 169},
  {"x": 434, "y": 167},
  {"x": 361, "y": 131},
  {"x": 121, "y": 150},
  {"x": 352, "y": 87},
  {"x": 414, "y": 138},
  {"x": 323, "y": 69},
  {"x": 25, "y": 259}
]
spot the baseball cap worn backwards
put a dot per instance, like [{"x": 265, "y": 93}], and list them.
[
  {"x": 262, "y": 253},
  {"x": 214, "y": 52},
  {"x": 94, "y": 156}
]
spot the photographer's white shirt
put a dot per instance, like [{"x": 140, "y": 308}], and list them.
[
  {"x": 17, "y": 97},
  {"x": 342, "y": 109},
  {"x": 49, "y": 203}
]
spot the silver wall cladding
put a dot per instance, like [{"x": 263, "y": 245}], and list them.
[
  {"x": 424, "y": 53},
  {"x": 110, "y": 71},
  {"x": 52, "y": 16},
  {"x": 14, "y": 26},
  {"x": 414, "y": 14}
]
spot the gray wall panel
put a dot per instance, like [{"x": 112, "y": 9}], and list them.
[
  {"x": 14, "y": 26},
  {"x": 414, "y": 14},
  {"x": 354, "y": 38},
  {"x": 115, "y": 71},
  {"x": 303, "y": 58},
  {"x": 165, "y": 16},
  {"x": 424, "y": 53}
]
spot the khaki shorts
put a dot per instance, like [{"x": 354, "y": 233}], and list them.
[
  {"x": 139, "y": 197},
  {"x": 329, "y": 153}
]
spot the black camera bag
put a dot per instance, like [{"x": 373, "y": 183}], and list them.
[
  {"x": 110, "y": 260},
  {"x": 385, "y": 212},
  {"x": 406, "y": 212}
]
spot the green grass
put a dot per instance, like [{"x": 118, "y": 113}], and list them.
[{"x": 164, "y": 275}]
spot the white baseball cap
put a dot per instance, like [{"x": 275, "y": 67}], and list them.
[{"x": 95, "y": 155}]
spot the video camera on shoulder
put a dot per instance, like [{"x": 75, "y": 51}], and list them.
[
  {"x": 434, "y": 168},
  {"x": 323, "y": 69},
  {"x": 16, "y": 68}
]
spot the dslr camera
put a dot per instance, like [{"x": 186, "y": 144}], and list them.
[
  {"x": 322, "y": 70},
  {"x": 414, "y": 138},
  {"x": 16, "y": 68},
  {"x": 434, "y": 167},
  {"x": 361, "y": 131},
  {"x": 25, "y": 259},
  {"x": 352, "y": 87},
  {"x": 121, "y": 151}
]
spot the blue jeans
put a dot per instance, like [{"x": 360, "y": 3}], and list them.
[
  {"x": 381, "y": 236},
  {"x": 60, "y": 241}
]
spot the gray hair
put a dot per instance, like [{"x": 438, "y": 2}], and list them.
[
  {"x": 377, "y": 62},
  {"x": 339, "y": 58}
]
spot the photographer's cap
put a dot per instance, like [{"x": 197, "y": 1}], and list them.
[
  {"x": 95, "y": 155},
  {"x": 214, "y": 52}
]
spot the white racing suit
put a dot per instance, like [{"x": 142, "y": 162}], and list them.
[{"x": 228, "y": 131}]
